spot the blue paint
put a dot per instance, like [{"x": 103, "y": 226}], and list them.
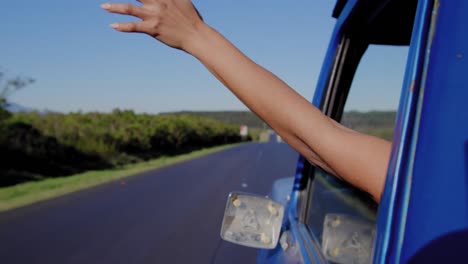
[
  {"x": 392, "y": 208},
  {"x": 438, "y": 204},
  {"x": 466, "y": 178}
]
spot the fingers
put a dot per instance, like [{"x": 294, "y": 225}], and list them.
[
  {"x": 130, "y": 27},
  {"x": 125, "y": 9}
]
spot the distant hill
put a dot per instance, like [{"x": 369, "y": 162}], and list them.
[
  {"x": 15, "y": 108},
  {"x": 377, "y": 123},
  {"x": 369, "y": 120},
  {"x": 231, "y": 117}
]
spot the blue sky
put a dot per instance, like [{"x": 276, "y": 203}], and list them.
[{"x": 79, "y": 63}]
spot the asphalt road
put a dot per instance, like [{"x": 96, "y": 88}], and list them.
[{"x": 169, "y": 215}]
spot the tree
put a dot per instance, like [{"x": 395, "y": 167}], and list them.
[{"x": 7, "y": 88}]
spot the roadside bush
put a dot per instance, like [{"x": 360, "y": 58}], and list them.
[{"x": 28, "y": 155}]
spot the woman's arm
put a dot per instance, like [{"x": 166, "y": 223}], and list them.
[{"x": 359, "y": 159}]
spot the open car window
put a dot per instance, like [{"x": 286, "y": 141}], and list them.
[{"x": 340, "y": 217}]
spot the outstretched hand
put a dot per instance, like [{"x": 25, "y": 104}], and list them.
[{"x": 173, "y": 22}]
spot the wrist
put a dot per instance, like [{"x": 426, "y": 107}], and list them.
[{"x": 198, "y": 39}]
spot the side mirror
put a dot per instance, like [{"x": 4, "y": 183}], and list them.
[
  {"x": 346, "y": 239},
  {"x": 252, "y": 221}
]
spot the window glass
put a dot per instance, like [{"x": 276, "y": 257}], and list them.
[{"x": 370, "y": 108}]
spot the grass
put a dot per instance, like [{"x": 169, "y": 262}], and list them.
[
  {"x": 32, "y": 192},
  {"x": 264, "y": 136}
]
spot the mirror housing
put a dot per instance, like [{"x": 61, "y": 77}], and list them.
[{"x": 252, "y": 220}]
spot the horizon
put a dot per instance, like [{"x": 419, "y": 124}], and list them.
[{"x": 25, "y": 109}]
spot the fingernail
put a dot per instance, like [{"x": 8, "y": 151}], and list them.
[
  {"x": 106, "y": 6},
  {"x": 114, "y": 25}
]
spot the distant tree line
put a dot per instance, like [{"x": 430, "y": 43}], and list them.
[
  {"x": 231, "y": 117},
  {"x": 377, "y": 123},
  {"x": 35, "y": 146}
]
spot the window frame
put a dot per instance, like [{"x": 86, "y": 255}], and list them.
[{"x": 330, "y": 97}]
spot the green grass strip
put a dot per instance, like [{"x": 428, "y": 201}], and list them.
[{"x": 31, "y": 192}]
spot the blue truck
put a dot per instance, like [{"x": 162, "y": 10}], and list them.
[{"x": 423, "y": 214}]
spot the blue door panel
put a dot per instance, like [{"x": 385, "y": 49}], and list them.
[{"x": 438, "y": 205}]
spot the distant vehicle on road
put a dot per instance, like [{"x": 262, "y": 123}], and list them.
[{"x": 423, "y": 214}]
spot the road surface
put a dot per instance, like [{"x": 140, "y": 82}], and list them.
[{"x": 169, "y": 215}]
